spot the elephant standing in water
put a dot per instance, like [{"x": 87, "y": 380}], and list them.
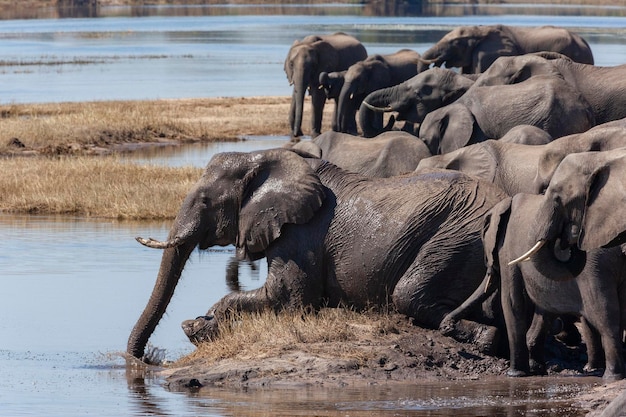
[
  {"x": 475, "y": 48},
  {"x": 330, "y": 238},
  {"x": 375, "y": 72},
  {"x": 306, "y": 59}
]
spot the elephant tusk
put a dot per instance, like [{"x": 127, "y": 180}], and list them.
[
  {"x": 427, "y": 61},
  {"x": 155, "y": 244},
  {"x": 378, "y": 109},
  {"x": 526, "y": 256}
]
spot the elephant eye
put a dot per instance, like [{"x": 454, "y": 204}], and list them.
[{"x": 427, "y": 90}]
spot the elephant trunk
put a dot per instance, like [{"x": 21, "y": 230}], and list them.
[
  {"x": 300, "y": 85},
  {"x": 372, "y": 109}
]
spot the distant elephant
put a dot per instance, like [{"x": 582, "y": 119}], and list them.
[
  {"x": 482, "y": 113},
  {"x": 412, "y": 99},
  {"x": 520, "y": 168},
  {"x": 375, "y": 72},
  {"x": 575, "y": 264},
  {"x": 306, "y": 59},
  {"x": 386, "y": 155},
  {"x": 475, "y": 48},
  {"x": 330, "y": 238},
  {"x": 604, "y": 88}
]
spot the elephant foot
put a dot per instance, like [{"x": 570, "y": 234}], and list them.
[
  {"x": 516, "y": 373},
  {"x": 609, "y": 376},
  {"x": 484, "y": 337},
  {"x": 295, "y": 139},
  {"x": 202, "y": 329},
  {"x": 537, "y": 368}
]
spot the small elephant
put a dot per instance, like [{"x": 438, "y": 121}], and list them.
[
  {"x": 548, "y": 102},
  {"x": 375, "y": 72},
  {"x": 522, "y": 168},
  {"x": 412, "y": 99},
  {"x": 386, "y": 155},
  {"x": 306, "y": 59},
  {"x": 475, "y": 48},
  {"x": 330, "y": 238}
]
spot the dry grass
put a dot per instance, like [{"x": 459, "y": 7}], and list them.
[
  {"x": 61, "y": 128},
  {"x": 93, "y": 186},
  {"x": 260, "y": 335}
]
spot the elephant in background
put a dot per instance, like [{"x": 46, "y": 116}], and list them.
[
  {"x": 604, "y": 88},
  {"x": 475, "y": 48},
  {"x": 306, "y": 59},
  {"x": 412, "y": 99},
  {"x": 489, "y": 112},
  {"x": 576, "y": 264},
  {"x": 330, "y": 238},
  {"x": 386, "y": 155},
  {"x": 521, "y": 168},
  {"x": 361, "y": 78}
]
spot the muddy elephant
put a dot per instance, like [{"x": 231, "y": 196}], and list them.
[
  {"x": 575, "y": 265},
  {"x": 412, "y": 99},
  {"x": 386, "y": 155},
  {"x": 604, "y": 88},
  {"x": 474, "y": 48},
  {"x": 306, "y": 59},
  {"x": 330, "y": 238},
  {"x": 522, "y": 168},
  {"x": 489, "y": 112},
  {"x": 375, "y": 72}
]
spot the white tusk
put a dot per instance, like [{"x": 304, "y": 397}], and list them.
[
  {"x": 526, "y": 256},
  {"x": 155, "y": 244},
  {"x": 378, "y": 109}
]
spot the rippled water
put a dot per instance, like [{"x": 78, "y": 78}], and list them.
[{"x": 73, "y": 287}]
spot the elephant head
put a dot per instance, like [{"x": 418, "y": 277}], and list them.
[
  {"x": 242, "y": 199},
  {"x": 458, "y": 47},
  {"x": 413, "y": 99},
  {"x": 580, "y": 208},
  {"x": 449, "y": 128},
  {"x": 331, "y": 83}
]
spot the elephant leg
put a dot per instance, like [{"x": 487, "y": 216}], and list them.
[
  {"x": 318, "y": 99},
  {"x": 434, "y": 286},
  {"x": 602, "y": 319},
  {"x": 595, "y": 353},
  {"x": 335, "y": 122},
  {"x": 514, "y": 309},
  {"x": 292, "y": 112},
  {"x": 536, "y": 340}
]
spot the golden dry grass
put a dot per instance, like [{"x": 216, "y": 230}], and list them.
[
  {"x": 266, "y": 334},
  {"x": 93, "y": 186}
]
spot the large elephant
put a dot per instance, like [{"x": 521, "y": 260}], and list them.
[
  {"x": 412, "y": 99},
  {"x": 475, "y": 48},
  {"x": 375, "y": 72},
  {"x": 306, "y": 59},
  {"x": 520, "y": 168},
  {"x": 575, "y": 265},
  {"x": 386, "y": 155},
  {"x": 604, "y": 88},
  {"x": 330, "y": 237},
  {"x": 548, "y": 102}
]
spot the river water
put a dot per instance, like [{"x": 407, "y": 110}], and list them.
[{"x": 73, "y": 287}]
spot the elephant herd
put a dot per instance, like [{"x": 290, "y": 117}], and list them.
[{"x": 494, "y": 210}]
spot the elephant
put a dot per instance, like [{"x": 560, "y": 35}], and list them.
[
  {"x": 361, "y": 78},
  {"x": 386, "y": 155},
  {"x": 604, "y": 88},
  {"x": 330, "y": 238},
  {"x": 576, "y": 265},
  {"x": 522, "y": 168},
  {"x": 475, "y": 48},
  {"x": 412, "y": 99},
  {"x": 306, "y": 59},
  {"x": 488, "y": 112}
]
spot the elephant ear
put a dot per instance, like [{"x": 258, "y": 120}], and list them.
[
  {"x": 603, "y": 223},
  {"x": 281, "y": 188},
  {"x": 497, "y": 42},
  {"x": 494, "y": 226},
  {"x": 456, "y": 127},
  {"x": 476, "y": 160}
]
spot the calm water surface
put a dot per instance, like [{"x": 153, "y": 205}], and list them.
[{"x": 72, "y": 288}]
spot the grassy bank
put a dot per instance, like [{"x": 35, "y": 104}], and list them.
[{"x": 62, "y": 158}]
